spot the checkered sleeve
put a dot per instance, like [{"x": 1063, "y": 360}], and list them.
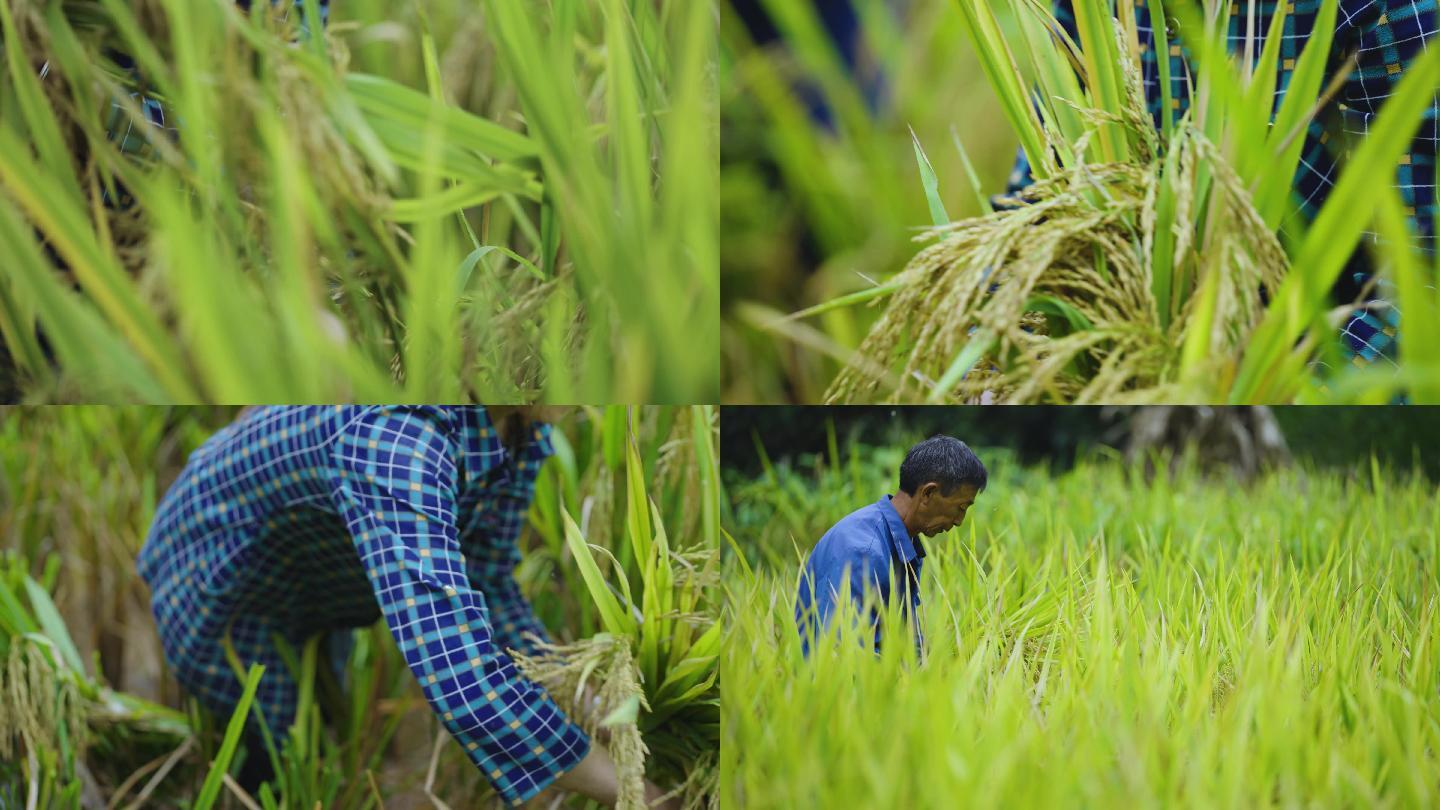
[
  {"x": 395, "y": 488},
  {"x": 493, "y": 551},
  {"x": 490, "y": 565}
]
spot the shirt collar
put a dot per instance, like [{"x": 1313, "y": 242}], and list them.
[{"x": 909, "y": 547}]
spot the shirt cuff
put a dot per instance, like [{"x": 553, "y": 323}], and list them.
[{"x": 521, "y": 740}]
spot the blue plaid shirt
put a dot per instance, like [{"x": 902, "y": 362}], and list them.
[
  {"x": 294, "y": 521},
  {"x": 1386, "y": 36},
  {"x": 865, "y": 546}
]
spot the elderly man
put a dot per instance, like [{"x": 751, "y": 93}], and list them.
[{"x": 877, "y": 545}]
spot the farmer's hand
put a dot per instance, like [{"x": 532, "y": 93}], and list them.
[{"x": 595, "y": 777}]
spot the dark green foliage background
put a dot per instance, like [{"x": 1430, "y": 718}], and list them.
[{"x": 1400, "y": 437}]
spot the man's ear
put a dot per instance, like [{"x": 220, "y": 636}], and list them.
[{"x": 927, "y": 491}]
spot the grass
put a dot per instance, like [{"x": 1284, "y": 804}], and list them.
[
  {"x": 1145, "y": 266},
  {"x": 82, "y": 622},
  {"x": 1097, "y": 639},
  {"x": 431, "y": 202}
]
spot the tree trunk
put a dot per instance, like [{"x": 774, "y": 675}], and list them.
[{"x": 1241, "y": 440}]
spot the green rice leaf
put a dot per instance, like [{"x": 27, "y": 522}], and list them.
[
  {"x": 1074, "y": 319},
  {"x": 52, "y": 625},
  {"x": 637, "y": 500},
  {"x": 615, "y": 619},
  {"x": 35, "y": 109},
  {"x": 1282, "y": 156},
  {"x": 847, "y": 300},
  {"x": 66, "y": 224},
  {"x": 82, "y": 339},
  {"x": 210, "y": 790},
  {"x": 999, "y": 67},
  {"x": 1419, "y": 333},
  {"x": 982, "y": 200},
  {"x": 975, "y": 348},
  {"x": 930, "y": 183},
  {"x": 407, "y": 110},
  {"x": 626, "y": 712}
]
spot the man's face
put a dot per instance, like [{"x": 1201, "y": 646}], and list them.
[{"x": 937, "y": 512}]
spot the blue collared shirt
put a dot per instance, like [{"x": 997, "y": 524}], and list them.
[{"x": 866, "y": 544}]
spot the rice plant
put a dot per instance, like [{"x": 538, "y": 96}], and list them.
[
  {"x": 658, "y": 657},
  {"x": 424, "y": 202},
  {"x": 1101, "y": 638},
  {"x": 1144, "y": 265},
  {"x": 97, "y": 716}
]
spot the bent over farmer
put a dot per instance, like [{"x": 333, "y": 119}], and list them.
[
  {"x": 877, "y": 545},
  {"x": 296, "y": 521}
]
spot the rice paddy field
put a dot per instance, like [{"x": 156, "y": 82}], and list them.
[
  {"x": 431, "y": 201},
  {"x": 1097, "y": 637},
  {"x": 1149, "y": 257},
  {"x": 620, "y": 560}
]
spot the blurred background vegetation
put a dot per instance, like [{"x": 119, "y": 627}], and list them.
[
  {"x": 820, "y": 189},
  {"x": 1056, "y": 436}
]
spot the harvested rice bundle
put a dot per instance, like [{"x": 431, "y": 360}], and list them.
[
  {"x": 1139, "y": 265},
  {"x": 1059, "y": 295}
]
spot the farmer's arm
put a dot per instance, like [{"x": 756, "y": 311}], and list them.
[
  {"x": 395, "y": 488},
  {"x": 492, "y": 552},
  {"x": 490, "y": 565}
]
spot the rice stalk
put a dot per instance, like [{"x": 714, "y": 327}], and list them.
[
  {"x": 52, "y": 714},
  {"x": 656, "y": 597}
]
